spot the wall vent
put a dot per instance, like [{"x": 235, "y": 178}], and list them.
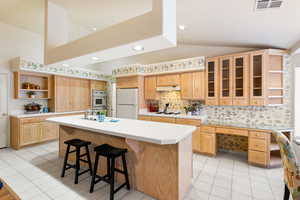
[{"x": 265, "y": 4}]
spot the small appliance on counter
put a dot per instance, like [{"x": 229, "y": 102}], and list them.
[
  {"x": 32, "y": 108},
  {"x": 153, "y": 107}
]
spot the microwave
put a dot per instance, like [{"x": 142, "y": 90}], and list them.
[{"x": 99, "y": 99}]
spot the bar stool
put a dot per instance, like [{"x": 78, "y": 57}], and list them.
[
  {"x": 77, "y": 143},
  {"x": 111, "y": 153}
]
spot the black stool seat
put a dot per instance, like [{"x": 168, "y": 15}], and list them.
[
  {"x": 77, "y": 144},
  {"x": 107, "y": 150},
  {"x": 111, "y": 153}
]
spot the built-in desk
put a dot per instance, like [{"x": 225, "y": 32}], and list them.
[{"x": 260, "y": 145}]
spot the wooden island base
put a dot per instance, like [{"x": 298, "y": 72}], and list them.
[{"x": 161, "y": 171}]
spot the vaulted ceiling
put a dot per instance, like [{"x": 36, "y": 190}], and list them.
[{"x": 229, "y": 23}]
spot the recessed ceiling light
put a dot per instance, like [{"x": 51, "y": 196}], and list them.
[
  {"x": 94, "y": 29},
  {"x": 138, "y": 48},
  {"x": 181, "y": 27},
  {"x": 65, "y": 65},
  {"x": 95, "y": 58}
]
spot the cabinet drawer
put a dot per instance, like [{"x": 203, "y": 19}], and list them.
[
  {"x": 259, "y": 135},
  {"x": 257, "y": 157},
  {"x": 32, "y": 120},
  {"x": 231, "y": 131},
  {"x": 257, "y": 102},
  {"x": 211, "y": 102},
  {"x": 240, "y": 102},
  {"x": 192, "y": 122},
  {"x": 163, "y": 119},
  {"x": 225, "y": 102},
  {"x": 145, "y": 118},
  {"x": 258, "y": 144},
  {"x": 208, "y": 129}
]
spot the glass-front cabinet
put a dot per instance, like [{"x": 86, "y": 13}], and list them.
[
  {"x": 241, "y": 80},
  {"x": 212, "y": 81},
  {"x": 257, "y": 78},
  {"x": 226, "y": 81}
]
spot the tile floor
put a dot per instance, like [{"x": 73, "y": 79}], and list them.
[{"x": 34, "y": 174}]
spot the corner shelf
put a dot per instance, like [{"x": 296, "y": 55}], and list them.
[{"x": 36, "y": 79}]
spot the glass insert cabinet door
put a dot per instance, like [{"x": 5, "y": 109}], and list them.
[
  {"x": 226, "y": 80},
  {"x": 212, "y": 74},
  {"x": 241, "y": 80},
  {"x": 257, "y": 76}
]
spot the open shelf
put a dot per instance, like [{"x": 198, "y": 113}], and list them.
[
  {"x": 274, "y": 147},
  {"x": 26, "y": 83},
  {"x": 275, "y": 161}
]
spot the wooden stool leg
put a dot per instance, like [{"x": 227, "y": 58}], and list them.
[
  {"x": 65, "y": 161},
  {"x": 94, "y": 173},
  {"x": 77, "y": 167},
  {"x": 126, "y": 172},
  {"x": 112, "y": 179},
  {"x": 89, "y": 160},
  {"x": 286, "y": 193}
]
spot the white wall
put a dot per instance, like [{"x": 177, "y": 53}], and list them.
[
  {"x": 296, "y": 62},
  {"x": 18, "y": 42}
]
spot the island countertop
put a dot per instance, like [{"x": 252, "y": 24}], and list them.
[{"x": 147, "y": 131}]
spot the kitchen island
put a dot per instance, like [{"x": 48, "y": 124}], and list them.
[{"x": 159, "y": 154}]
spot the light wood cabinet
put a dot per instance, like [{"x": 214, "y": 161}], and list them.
[
  {"x": 192, "y": 85},
  {"x": 208, "y": 143},
  {"x": 128, "y": 82},
  {"x": 225, "y": 81},
  {"x": 199, "y": 85},
  {"x": 150, "y": 88},
  {"x": 145, "y": 118},
  {"x": 33, "y": 130},
  {"x": 71, "y": 94},
  {"x": 49, "y": 131},
  {"x": 241, "y": 80},
  {"x": 98, "y": 85},
  {"x": 30, "y": 133},
  {"x": 163, "y": 119},
  {"x": 212, "y": 81},
  {"x": 266, "y": 77},
  {"x": 168, "y": 80},
  {"x": 186, "y": 85}
]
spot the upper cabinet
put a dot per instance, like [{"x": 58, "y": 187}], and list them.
[
  {"x": 192, "y": 85},
  {"x": 226, "y": 80},
  {"x": 98, "y": 85},
  {"x": 168, "y": 80},
  {"x": 128, "y": 82},
  {"x": 71, "y": 94},
  {"x": 150, "y": 88},
  {"x": 241, "y": 80},
  {"x": 252, "y": 78},
  {"x": 212, "y": 81},
  {"x": 266, "y": 78}
]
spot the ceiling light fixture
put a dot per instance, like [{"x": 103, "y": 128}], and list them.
[
  {"x": 95, "y": 58},
  {"x": 181, "y": 27},
  {"x": 138, "y": 48},
  {"x": 65, "y": 65},
  {"x": 94, "y": 29}
]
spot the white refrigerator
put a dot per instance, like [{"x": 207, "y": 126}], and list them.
[{"x": 127, "y": 103}]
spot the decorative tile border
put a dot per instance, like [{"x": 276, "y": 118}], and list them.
[
  {"x": 190, "y": 64},
  {"x": 24, "y": 65}
]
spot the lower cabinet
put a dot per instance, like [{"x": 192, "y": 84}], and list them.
[
  {"x": 29, "y": 133},
  {"x": 208, "y": 143}
]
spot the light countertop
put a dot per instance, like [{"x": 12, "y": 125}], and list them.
[
  {"x": 180, "y": 116},
  {"x": 152, "y": 132},
  {"x": 44, "y": 114},
  {"x": 248, "y": 126}
]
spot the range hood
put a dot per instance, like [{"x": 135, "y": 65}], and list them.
[{"x": 168, "y": 88}]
